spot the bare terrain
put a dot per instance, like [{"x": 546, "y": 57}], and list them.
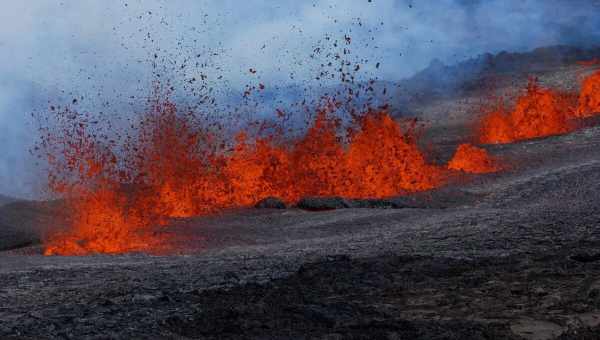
[{"x": 514, "y": 255}]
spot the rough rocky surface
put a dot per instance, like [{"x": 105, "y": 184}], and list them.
[
  {"x": 270, "y": 203},
  {"x": 323, "y": 203}
]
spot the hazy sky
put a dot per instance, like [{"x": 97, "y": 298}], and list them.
[{"x": 53, "y": 50}]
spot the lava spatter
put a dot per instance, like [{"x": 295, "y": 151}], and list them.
[
  {"x": 538, "y": 112},
  {"x": 121, "y": 195},
  {"x": 589, "y": 96},
  {"x": 472, "y": 159}
]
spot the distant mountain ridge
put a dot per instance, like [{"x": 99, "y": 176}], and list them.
[
  {"x": 6, "y": 200},
  {"x": 439, "y": 80}
]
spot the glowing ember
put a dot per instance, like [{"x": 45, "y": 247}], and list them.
[
  {"x": 469, "y": 158},
  {"x": 538, "y": 112},
  {"x": 175, "y": 168},
  {"x": 589, "y": 97}
]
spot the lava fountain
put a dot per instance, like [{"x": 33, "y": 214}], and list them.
[
  {"x": 472, "y": 159},
  {"x": 589, "y": 96},
  {"x": 121, "y": 193},
  {"x": 538, "y": 112}
]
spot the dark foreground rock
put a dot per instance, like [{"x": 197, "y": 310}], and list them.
[
  {"x": 337, "y": 297},
  {"x": 392, "y": 298}
]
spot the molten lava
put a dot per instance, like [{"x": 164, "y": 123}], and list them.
[
  {"x": 589, "y": 97},
  {"x": 469, "y": 158},
  {"x": 120, "y": 195},
  {"x": 121, "y": 191},
  {"x": 102, "y": 222},
  {"x": 538, "y": 112}
]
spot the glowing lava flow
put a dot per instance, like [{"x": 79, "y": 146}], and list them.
[
  {"x": 589, "y": 97},
  {"x": 175, "y": 168},
  {"x": 538, "y": 112},
  {"x": 469, "y": 158}
]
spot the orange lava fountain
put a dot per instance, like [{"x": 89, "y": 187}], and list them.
[
  {"x": 589, "y": 97},
  {"x": 469, "y": 158},
  {"x": 539, "y": 112},
  {"x": 120, "y": 200}
]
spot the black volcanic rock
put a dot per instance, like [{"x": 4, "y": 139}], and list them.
[
  {"x": 323, "y": 203},
  {"x": 372, "y": 203},
  {"x": 270, "y": 203},
  {"x": 585, "y": 258}
]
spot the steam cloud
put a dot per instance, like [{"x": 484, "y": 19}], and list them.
[{"x": 54, "y": 51}]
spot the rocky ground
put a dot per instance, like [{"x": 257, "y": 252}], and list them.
[{"x": 514, "y": 255}]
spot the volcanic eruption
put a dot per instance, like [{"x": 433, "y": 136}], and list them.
[
  {"x": 538, "y": 112},
  {"x": 589, "y": 97},
  {"x": 120, "y": 192},
  {"x": 473, "y": 159}
]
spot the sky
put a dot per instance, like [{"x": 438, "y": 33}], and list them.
[{"x": 52, "y": 51}]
